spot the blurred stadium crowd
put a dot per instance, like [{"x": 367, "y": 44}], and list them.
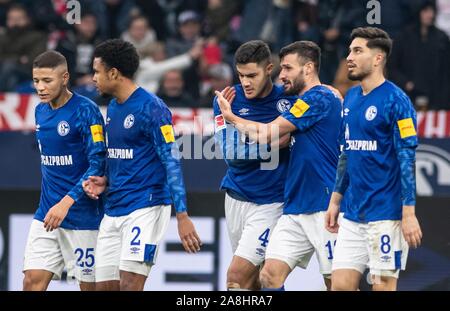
[{"x": 187, "y": 46}]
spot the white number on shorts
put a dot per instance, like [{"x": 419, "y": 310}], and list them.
[
  {"x": 264, "y": 238},
  {"x": 89, "y": 257}
]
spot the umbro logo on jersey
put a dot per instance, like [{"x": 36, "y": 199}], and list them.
[
  {"x": 244, "y": 111},
  {"x": 107, "y": 120},
  {"x": 129, "y": 121},
  {"x": 63, "y": 128},
  {"x": 38, "y": 127},
  {"x": 371, "y": 113},
  {"x": 346, "y": 111}
]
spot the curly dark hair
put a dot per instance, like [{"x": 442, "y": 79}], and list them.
[{"x": 119, "y": 54}]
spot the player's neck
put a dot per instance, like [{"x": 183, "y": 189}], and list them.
[
  {"x": 61, "y": 100},
  {"x": 267, "y": 89},
  {"x": 309, "y": 84},
  {"x": 124, "y": 91},
  {"x": 372, "y": 82}
]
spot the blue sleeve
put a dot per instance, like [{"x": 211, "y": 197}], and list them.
[
  {"x": 91, "y": 126},
  {"x": 158, "y": 126},
  {"x": 402, "y": 116},
  {"x": 342, "y": 180},
  {"x": 235, "y": 146},
  {"x": 307, "y": 111}
]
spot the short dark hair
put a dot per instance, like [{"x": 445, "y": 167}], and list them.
[
  {"x": 119, "y": 54},
  {"x": 255, "y": 51},
  {"x": 376, "y": 38},
  {"x": 49, "y": 59},
  {"x": 307, "y": 50}
]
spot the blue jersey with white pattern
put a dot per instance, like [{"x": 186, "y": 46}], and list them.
[
  {"x": 314, "y": 151},
  {"x": 380, "y": 130},
  {"x": 72, "y": 148},
  {"x": 244, "y": 158},
  {"x": 141, "y": 168}
]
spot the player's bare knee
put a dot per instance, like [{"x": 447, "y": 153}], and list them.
[
  {"x": 31, "y": 282},
  {"x": 383, "y": 283},
  {"x": 269, "y": 278},
  {"x": 235, "y": 275},
  {"x": 341, "y": 284}
]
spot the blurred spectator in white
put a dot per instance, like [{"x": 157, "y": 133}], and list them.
[
  {"x": 139, "y": 33},
  {"x": 220, "y": 76},
  {"x": 172, "y": 91},
  {"x": 420, "y": 61},
  {"x": 443, "y": 16},
  {"x": 154, "y": 64},
  {"x": 19, "y": 45}
]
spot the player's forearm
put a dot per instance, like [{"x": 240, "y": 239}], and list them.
[
  {"x": 174, "y": 177},
  {"x": 342, "y": 180},
  {"x": 256, "y": 131},
  {"x": 408, "y": 210},
  {"x": 96, "y": 168},
  {"x": 407, "y": 160},
  {"x": 336, "y": 198}
]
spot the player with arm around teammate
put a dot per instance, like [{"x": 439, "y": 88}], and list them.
[
  {"x": 255, "y": 177},
  {"x": 313, "y": 122}
]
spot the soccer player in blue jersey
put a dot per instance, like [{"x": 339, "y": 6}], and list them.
[
  {"x": 143, "y": 176},
  {"x": 375, "y": 171},
  {"x": 69, "y": 132},
  {"x": 313, "y": 121},
  {"x": 254, "y": 193}
]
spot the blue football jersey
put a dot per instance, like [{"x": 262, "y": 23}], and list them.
[
  {"x": 244, "y": 158},
  {"x": 72, "y": 147},
  {"x": 314, "y": 151},
  {"x": 141, "y": 169},
  {"x": 375, "y": 126}
]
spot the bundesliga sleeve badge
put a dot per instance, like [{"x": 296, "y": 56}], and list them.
[
  {"x": 406, "y": 127},
  {"x": 299, "y": 108},
  {"x": 168, "y": 134},
  {"x": 97, "y": 133}
]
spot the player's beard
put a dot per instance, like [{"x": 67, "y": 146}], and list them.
[
  {"x": 364, "y": 73},
  {"x": 297, "y": 85}
]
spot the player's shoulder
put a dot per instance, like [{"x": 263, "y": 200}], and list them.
[
  {"x": 151, "y": 103},
  {"x": 83, "y": 102},
  {"x": 319, "y": 94},
  {"x": 395, "y": 92}
]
